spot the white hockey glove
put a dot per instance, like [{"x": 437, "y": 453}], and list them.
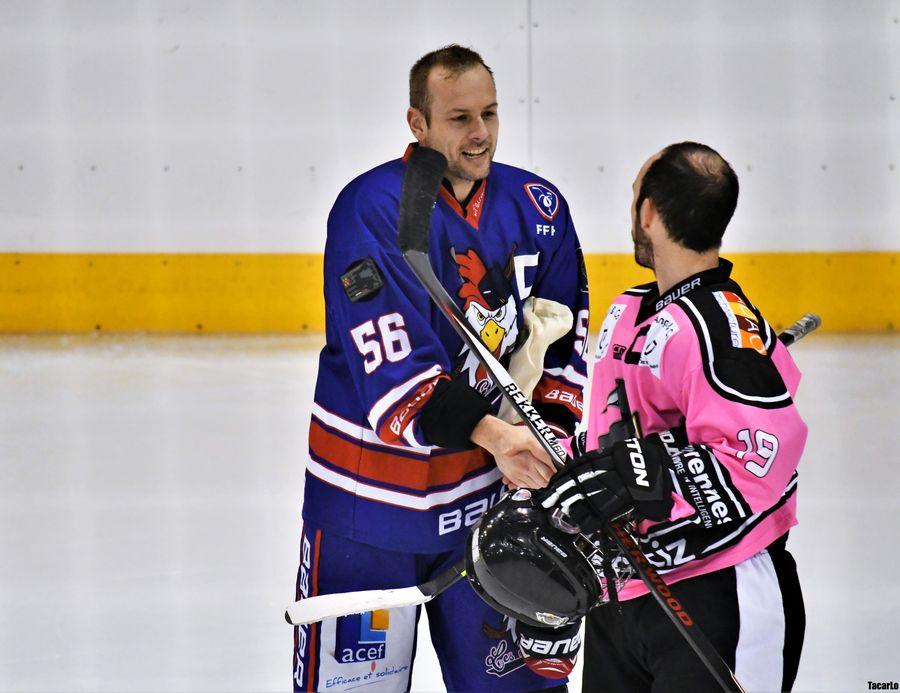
[{"x": 546, "y": 321}]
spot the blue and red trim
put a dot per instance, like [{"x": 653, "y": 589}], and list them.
[{"x": 390, "y": 469}]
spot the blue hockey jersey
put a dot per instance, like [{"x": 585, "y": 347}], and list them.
[{"x": 371, "y": 474}]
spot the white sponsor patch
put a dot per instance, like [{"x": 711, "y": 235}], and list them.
[
  {"x": 350, "y": 660},
  {"x": 731, "y": 317},
  {"x": 661, "y": 331},
  {"x": 606, "y": 330}
]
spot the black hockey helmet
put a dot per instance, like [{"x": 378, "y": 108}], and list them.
[{"x": 524, "y": 566}]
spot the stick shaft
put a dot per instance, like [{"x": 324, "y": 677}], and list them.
[{"x": 800, "y": 329}]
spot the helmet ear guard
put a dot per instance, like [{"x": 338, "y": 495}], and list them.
[{"x": 526, "y": 566}]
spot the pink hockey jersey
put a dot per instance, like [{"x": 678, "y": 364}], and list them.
[{"x": 702, "y": 368}]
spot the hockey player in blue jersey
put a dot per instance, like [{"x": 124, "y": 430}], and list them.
[{"x": 405, "y": 451}]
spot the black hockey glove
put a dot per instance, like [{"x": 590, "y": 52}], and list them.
[
  {"x": 599, "y": 486},
  {"x": 550, "y": 652}
]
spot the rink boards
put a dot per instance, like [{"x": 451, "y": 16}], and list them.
[{"x": 282, "y": 292}]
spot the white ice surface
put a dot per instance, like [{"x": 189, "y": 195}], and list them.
[{"x": 150, "y": 508}]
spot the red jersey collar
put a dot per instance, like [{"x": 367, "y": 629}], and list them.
[{"x": 475, "y": 203}]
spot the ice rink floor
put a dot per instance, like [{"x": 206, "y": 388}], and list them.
[{"x": 150, "y": 509}]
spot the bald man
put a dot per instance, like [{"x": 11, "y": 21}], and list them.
[{"x": 713, "y": 481}]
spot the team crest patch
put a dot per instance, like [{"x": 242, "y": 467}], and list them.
[
  {"x": 745, "y": 328},
  {"x": 609, "y": 324},
  {"x": 544, "y": 199},
  {"x": 661, "y": 330}
]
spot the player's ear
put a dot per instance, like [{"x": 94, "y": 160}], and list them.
[
  {"x": 647, "y": 213},
  {"x": 417, "y": 123}
]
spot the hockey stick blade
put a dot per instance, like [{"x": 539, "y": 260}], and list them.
[
  {"x": 324, "y": 606},
  {"x": 421, "y": 183},
  {"x": 800, "y": 329}
]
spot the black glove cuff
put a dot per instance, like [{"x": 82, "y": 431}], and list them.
[
  {"x": 451, "y": 413},
  {"x": 642, "y": 465}
]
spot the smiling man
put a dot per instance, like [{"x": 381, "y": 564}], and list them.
[
  {"x": 453, "y": 109},
  {"x": 405, "y": 450}
]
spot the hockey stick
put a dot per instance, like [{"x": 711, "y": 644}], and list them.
[{"x": 313, "y": 609}]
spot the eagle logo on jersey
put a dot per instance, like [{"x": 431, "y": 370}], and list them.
[
  {"x": 490, "y": 308},
  {"x": 544, "y": 199}
]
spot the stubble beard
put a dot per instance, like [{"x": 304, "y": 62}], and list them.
[
  {"x": 643, "y": 247},
  {"x": 459, "y": 171}
]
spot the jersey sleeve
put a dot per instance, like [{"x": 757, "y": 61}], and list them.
[
  {"x": 562, "y": 277},
  {"x": 742, "y": 436},
  {"x": 378, "y": 319}
]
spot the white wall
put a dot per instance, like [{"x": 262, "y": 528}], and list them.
[{"x": 204, "y": 125}]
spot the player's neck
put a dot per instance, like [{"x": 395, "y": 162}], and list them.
[
  {"x": 461, "y": 188},
  {"x": 674, "y": 263}
]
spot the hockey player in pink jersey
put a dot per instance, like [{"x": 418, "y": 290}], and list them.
[{"x": 714, "y": 477}]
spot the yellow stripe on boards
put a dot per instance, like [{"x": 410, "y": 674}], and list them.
[
  {"x": 852, "y": 292},
  {"x": 272, "y": 293},
  {"x": 177, "y": 293}
]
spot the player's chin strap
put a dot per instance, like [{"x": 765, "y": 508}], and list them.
[
  {"x": 598, "y": 538},
  {"x": 628, "y": 426},
  {"x": 612, "y": 590}
]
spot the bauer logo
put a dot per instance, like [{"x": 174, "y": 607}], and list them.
[
  {"x": 362, "y": 637},
  {"x": 546, "y": 201}
]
